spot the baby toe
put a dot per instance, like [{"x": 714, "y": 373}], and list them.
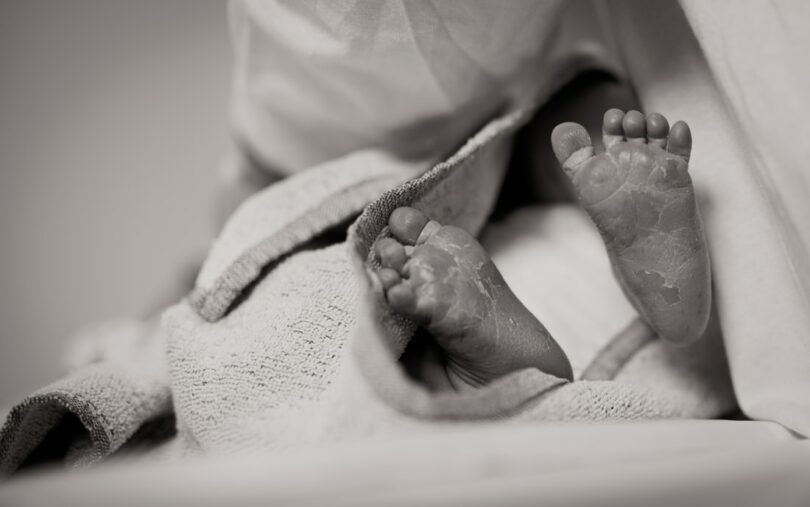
[
  {"x": 680, "y": 140},
  {"x": 388, "y": 277},
  {"x": 635, "y": 127},
  {"x": 433, "y": 301},
  {"x": 657, "y": 130},
  {"x": 612, "y": 131},
  {"x": 391, "y": 253},
  {"x": 402, "y": 299},
  {"x": 407, "y": 223}
]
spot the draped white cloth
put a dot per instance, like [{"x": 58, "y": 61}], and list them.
[
  {"x": 759, "y": 54},
  {"x": 741, "y": 78},
  {"x": 317, "y": 79}
]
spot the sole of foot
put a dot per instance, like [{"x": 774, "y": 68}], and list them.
[
  {"x": 639, "y": 194},
  {"x": 443, "y": 279}
]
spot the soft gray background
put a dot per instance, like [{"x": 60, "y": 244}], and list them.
[{"x": 112, "y": 120}]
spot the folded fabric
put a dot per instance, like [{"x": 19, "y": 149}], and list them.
[
  {"x": 119, "y": 385},
  {"x": 316, "y": 80},
  {"x": 741, "y": 80}
]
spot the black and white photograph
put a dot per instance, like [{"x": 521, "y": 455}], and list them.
[{"x": 404, "y": 253}]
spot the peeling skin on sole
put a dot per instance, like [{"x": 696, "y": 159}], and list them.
[
  {"x": 655, "y": 283},
  {"x": 449, "y": 285},
  {"x": 640, "y": 196}
]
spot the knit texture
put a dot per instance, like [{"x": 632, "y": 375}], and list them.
[{"x": 120, "y": 386}]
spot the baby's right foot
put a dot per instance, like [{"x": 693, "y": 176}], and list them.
[
  {"x": 441, "y": 277},
  {"x": 640, "y": 196}
]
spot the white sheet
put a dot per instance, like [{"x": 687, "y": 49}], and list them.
[
  {"x": 661, "y": 463},
  {"x": 315, "y": 80},
  {"x": 747, "y": 102}
]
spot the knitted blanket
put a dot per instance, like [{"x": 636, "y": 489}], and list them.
[{"x": 285, "y": 342}]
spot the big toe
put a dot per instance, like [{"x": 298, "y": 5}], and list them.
[
  {"x": 406, "y": 224},
  {"x": 411, "y": 226},
  {"x": 572, "y": 145}
]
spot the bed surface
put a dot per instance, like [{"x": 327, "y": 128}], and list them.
[{"x": 734, "y": 462}]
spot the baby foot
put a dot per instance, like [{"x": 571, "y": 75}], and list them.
[
  {"x": 640, "y": 196},
  {"x": 441, "y": 277}
]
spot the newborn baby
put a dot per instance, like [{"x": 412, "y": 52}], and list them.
[{"x": 639, "y": 195}]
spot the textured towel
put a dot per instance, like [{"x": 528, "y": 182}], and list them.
[
  {"x": 120, "y": 384},
  {"x": 121, "y": 381}
]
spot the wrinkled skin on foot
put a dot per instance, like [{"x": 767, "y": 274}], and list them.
[
  {"x": 639, "y": 194},
  {"x": 441, "y": 277}
]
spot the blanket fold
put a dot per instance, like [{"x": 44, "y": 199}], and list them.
[
  {"x": 112, "y": 398},
  {"x": 287, "y": 215}
]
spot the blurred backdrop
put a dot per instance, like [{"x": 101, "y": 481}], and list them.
[{"x": 112, "y": 120}]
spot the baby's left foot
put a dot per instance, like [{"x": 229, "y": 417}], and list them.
[
  {"x": 640, "y": 196},
  {"x": 441, "y": 277}
]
